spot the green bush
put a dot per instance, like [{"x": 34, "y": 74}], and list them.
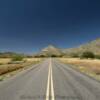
[
  {"x": 1, "y": 78},
  {"x": 53, "y": 55},
  {"x": 74, "y": 55},
  {"x": 1, "y": 63},
  {"x": 87, "y": 54},
  {"x": 17, "y": 58},
  {"x": 42, "y": 56},
  {"x": 97, "y": 56}
]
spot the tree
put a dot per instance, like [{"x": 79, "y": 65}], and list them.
[
  {"x": 88, "y": 54},
  {"x": 53, "y": 55},
  {"x": 42, "y": 56}
]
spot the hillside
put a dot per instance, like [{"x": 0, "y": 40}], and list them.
[
  {"x": 93, "y": 46},
  {"x": 9, "y": 54}
]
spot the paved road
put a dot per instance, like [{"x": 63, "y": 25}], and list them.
[{"x": 50, "y": 80}]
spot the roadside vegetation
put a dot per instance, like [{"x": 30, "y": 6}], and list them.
[
  {"x": 16, "y": 63},
  {"x": 17, "y": 58},
  {"x": 51, "y": 55},
  {"x": 84, "y": 55},
  {"x": 86, "y": 62},
  {"x": 88, "y": 54},
  {"x": 90, "y": 67}
]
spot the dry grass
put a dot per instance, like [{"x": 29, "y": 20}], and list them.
[
  {"x": 5, "y": 60},
  {"x": 6, "y": 68},
  {"x": 32, "y": 59},
  {"x": 89, "y": 66}
]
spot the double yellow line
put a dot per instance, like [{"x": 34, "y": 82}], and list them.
[{"x": 50, "y": 83}]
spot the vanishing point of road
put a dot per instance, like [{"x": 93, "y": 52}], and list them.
[{"x": 50, "y": 80}]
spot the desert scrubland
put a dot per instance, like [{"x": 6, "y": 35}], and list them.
[
  {"x": 87, "y": 66},
  {"x": 9, "y": 67}
]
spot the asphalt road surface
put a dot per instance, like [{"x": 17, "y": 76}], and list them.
[{"x": 50, "y": 80}]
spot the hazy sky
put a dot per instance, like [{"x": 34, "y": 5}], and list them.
[{"x": 28, "y": 25}]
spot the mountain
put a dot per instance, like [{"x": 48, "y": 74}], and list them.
[
  {"x": 93, "y": 46},
  {"x": 9, "y": 54},
  {"x": 49, "y": 51}
]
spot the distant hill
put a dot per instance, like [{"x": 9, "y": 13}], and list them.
[
  {"x": 50, "y": 51},
  {"x": 9, "y": 54},
  {"x": 93, "y": 46}
]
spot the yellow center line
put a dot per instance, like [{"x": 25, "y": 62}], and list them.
[
  {"x": 48, "y": 85},
  {"x": 50, "y": 79},
  {"x": 52, "y": 87}
]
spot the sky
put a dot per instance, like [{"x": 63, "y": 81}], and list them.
[{"x": 26, "y": 26}]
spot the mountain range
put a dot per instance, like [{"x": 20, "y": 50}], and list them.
[{"x": 92, "y": 46}]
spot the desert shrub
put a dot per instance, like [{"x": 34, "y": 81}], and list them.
[
  {"x": 1, "y": 63},
  {"x": 62, "y": 55},
  {"x": 87, "y": 54},
  {"x": 74, "y": 55},
  {"x": 42, "y": 56},
  {"x": 97, "y": 56},
  {"x": 1, "y": 78},
  {"x": 53, "y": 55},
  {"x": 96, "y": 71},
  {"x": 17, "y": 58}
]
